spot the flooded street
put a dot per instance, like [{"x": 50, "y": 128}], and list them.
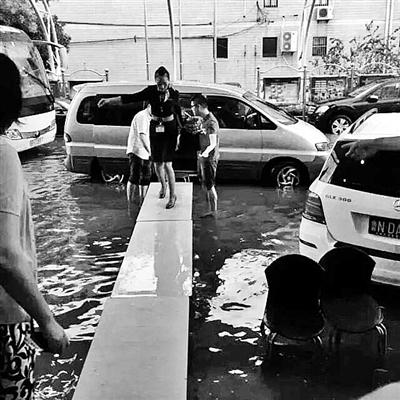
[{"x": 83, "y": 230}]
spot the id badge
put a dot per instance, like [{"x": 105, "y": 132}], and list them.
[{"x": 160, "y": 128}]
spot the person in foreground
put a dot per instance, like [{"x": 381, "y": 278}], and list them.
[
  {"x": 366, "y": 148},
  {"x": 164, "y": 125},
  {"x": 138, "y": 151},
  {"x": 209, "y": 153},
  {"x": 20, "y": 298}
]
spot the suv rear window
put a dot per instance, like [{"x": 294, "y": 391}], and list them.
[{"x": 378, "y": 174}]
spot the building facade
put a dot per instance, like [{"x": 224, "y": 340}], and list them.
[{"x": 265, "y": 34}]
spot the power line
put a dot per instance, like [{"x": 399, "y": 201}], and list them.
[
  {"x": 135, "y": 38},
  {"x": 129, "y": 25},
  {"x": 239, "y": 20}
]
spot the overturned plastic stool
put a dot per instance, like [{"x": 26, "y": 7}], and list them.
[
  {"x": 347, "y": 306},
  {"x": 292, "y": 309}
]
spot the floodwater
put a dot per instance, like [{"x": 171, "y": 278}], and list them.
[
  {"x": 83, "y": 230},
  {"x": 226, "y": 359}
]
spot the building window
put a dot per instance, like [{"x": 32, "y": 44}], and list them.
[
  {"x": 222, "y": 47},
  {"x": 270, "y": 46},
  {"x": 319, "y": 46},
  {"x": 322, "y": 3},
  {"x": 270, "y": 3}
]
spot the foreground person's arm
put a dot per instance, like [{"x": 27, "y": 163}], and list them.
[
  {"x": 16, "y": 274},
  {"x": 143, "y": 95},
  {"x": 211, "y": 146},
  {"x": 19, "y": 282}
]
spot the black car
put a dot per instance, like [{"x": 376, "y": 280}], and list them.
[{"x": 336, "y": 115}]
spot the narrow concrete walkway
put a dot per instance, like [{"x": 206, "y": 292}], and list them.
[
  {"x": 158, "y": 260},
  {"x": 140, "y": 348},
  {"x": 153, "y": 208}
]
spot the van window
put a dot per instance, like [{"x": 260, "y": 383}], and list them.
[
  {"x": 233, "y": 114},
  {"x": 117, "y": 115},
  {"x": 271, "y": 110},
  {"x": 87, "y": 110},
  {"x": 378, "y": 174}
]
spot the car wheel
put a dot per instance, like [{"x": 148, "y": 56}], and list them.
[
  {"x": 339, "y": 124},
  {"x": 286, "y": 174}
]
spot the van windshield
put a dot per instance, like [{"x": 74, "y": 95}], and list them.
[
  {"x": 276, "y": 113},
  {"x": 378, "y": 174}
]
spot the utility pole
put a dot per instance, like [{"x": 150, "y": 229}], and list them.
[
  {"x": 303, "y": 54},
  {"x": 388, "y": 21},
  {"x": 180, "y": 42},
  {"x": 304, "y": 43},
  {"x": 171, "y": 24},
  {"x": 53, "y": 34},
  {"x": 215, "y": 41},
  {"x": 300, "y": 37},
  {"x": 146, "y": 41}
]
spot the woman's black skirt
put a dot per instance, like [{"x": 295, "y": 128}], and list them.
[{"x": 163, "y": 144}]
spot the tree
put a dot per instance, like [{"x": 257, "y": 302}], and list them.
[
  {"x": 369, "y": 54},
  {"x": 19, "y": 14}
]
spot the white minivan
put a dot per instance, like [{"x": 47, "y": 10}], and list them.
[
  {"x": 258, "y": 141},
  {"x": 357, "y": 203}
]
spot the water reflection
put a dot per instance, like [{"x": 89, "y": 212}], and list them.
[
  {"x": 240, "y": 298},
  {"x": 172, "y": 263},
  {"x": 158, "y": 260}
]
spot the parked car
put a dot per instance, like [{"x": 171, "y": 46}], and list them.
[
  {"x": 357, "y": 203},
  {"x": 258, "y": 141},
  {"x": 61, "y": 107},
  {"x": 337, "y": 115}
]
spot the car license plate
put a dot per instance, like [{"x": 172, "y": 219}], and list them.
[
  {"x": 385, "y": 227},
  {"x": 37, "y": 141}
]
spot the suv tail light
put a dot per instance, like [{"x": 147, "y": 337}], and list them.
[{"x": 313, "y": 209}]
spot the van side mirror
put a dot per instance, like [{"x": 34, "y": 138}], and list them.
[
  {"x": 63, "y": 57},
  {"x": 372, "y": 99}
]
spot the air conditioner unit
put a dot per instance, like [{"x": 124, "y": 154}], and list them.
[
  {"x": 289, "y": 42},
  {"x": 324, "y": 13}
]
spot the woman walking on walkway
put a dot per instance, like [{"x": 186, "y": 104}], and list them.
[{"x": 166, "y": 118}]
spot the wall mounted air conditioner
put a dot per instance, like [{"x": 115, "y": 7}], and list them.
[
  {"x": 289, "y": 42},
  {"x": 324, "y": 13}
]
